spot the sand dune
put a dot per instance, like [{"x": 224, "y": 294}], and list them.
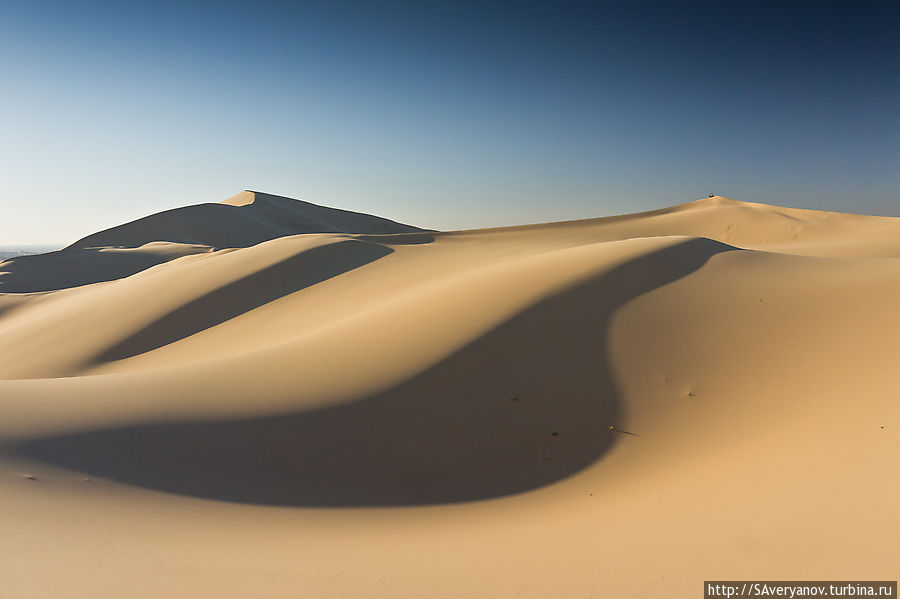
[
  {"x": 243, "y": 220},
  {"x": 270, "y": 398}
]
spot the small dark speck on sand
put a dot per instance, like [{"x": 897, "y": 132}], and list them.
[
  {"x": 513, "y": 399},
  {"x": 618, "y": 430},
  {"x": 554, "y": 434}
]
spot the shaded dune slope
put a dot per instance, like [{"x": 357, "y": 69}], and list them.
[
  {"x": 525, "y": 404},
  {"x": 244, "y": 220}
]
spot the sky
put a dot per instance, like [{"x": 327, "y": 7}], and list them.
[{"x": 443, "y": 115}]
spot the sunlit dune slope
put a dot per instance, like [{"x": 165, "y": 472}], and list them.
[{"x": 534, "y": 411}]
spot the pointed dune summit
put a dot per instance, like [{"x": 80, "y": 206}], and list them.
[{"x": 243, "y": 220}]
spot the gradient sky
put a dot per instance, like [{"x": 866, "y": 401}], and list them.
[{"x": 452, "y": 115}]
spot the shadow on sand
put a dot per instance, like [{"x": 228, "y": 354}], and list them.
[
  {"x": 279, "y": 280},
  {"x": 527, "y": 404},
  {"x": 69, "y": 268},
  {"x": 75, "y": 266}
]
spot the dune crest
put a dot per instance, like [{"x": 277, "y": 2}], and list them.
[
  {"x": 245, "y": 198},
  {"x": 266, "y": 395}
]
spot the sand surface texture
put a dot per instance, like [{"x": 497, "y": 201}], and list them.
[{"x": 268, "y": 398}]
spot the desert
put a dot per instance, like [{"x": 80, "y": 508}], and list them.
[{"x": 265, "y": 397}]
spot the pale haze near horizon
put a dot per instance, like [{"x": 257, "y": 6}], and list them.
[{"x": 444, "y": 118}]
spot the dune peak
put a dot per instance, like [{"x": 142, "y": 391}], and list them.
[
  {"x": 262, "y": 217},
  {"x": 716, "y": 200},
  {"x": 245, "y": 198}
]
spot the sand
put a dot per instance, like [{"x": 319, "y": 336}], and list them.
[{"x": 267, "y": 398}]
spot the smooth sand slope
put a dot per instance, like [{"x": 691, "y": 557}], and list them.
[{"x": 267, "y": 398}]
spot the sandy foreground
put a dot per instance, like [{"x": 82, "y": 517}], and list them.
[{"x": 265, "y": 398}]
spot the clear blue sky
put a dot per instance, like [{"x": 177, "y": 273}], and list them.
[{"x": 448, "y": 115}]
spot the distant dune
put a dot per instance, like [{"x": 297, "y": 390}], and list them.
[
  {"x": 246, "y": 219},
  {"x": 243, "y": 220},
  {"x": 266, "y": 397}
]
